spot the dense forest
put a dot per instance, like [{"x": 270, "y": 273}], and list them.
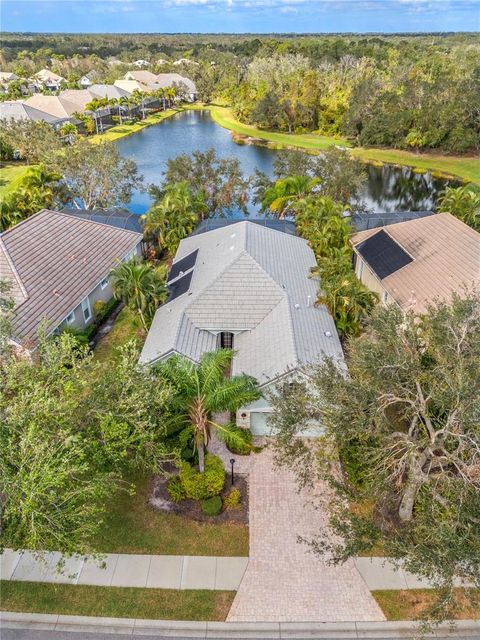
[{"x": 404, "y": 91}]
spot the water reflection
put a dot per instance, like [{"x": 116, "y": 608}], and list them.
[{"x": 388, "y": 188}]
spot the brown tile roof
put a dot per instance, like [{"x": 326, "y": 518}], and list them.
[
  {"x": 55, "y": 260},
  {"x": 446, "y": 258}
]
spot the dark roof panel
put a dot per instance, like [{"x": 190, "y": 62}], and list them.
[
  {"x": 183, "y": 265},
  {"x": 119, "y": 218},
  {"x": 383, "y": 255},
  {"x": 180, "y": 286}
]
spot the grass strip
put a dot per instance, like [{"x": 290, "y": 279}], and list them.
[
  {"x": 410, "y": 604},
  {"x": 115, "y": 602},
  {"x": 10, "y": 176},
  {"x": 466, "y": 168},
  {"x": 122, "y": 130},
  {"x": 133, "y": 526}
]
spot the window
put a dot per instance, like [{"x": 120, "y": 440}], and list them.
[
  {"x": 87, "y": 313},
  {"x": 385, "y": 297},
  {"x": 225, "y": 340},
  {"x": 104, "y": 283},
  {"x": 131, "y": 254},
  {"x": 70, "y": 318}
]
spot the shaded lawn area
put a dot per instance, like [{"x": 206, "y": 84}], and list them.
[
  {"x": 127, "y": 326},
  {"x": 132, "y": 526},
  {"x": 116, "y": 602},
  {"x": 122, "y": 130},
  {"x": 409, "y": 604},
  {"x": 466, "y": 168},
  {"x": 10, "y": 174}
]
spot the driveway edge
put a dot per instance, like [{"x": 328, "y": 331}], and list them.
[{"x": 247, "y": 630}]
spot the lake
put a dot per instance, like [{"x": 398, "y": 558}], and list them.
[{"x": 387, "y": 189}]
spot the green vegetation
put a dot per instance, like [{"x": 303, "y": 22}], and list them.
[
  {"x": 127, "y": 326},
  {"x": 10, "y": 175},
  {"x": 463, "y": 167},
  {"x": 122, "y": 130},
  {"x": 411, "y": 604},
  {"x": 132, "y": 526},
  {"x": 116, "y": 602},
  {"x": 405, "y": 423}
]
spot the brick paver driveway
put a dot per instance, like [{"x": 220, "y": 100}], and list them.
[{"x": 283, "y": 580}]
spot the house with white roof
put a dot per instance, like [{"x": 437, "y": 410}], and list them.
[
  {"x": 248, "y": 287},
  {"x": 46, "y": 79}
]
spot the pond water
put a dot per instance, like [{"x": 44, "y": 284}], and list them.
[{"x": 387, "y": 189}]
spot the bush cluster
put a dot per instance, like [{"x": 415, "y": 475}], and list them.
[
  {"x": 212, "y": 506},
  {"x": 232, "y": 501},
  {"x": 198, "y": 486}
]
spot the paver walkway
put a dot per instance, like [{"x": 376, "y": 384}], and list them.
[
  {"x": 284, "y": 582},
  {"x": 126, "y": 570}
]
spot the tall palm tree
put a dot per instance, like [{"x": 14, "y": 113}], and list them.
[
  {"x": 280, "y": 197},
  {"x": 140, "y": 286},
  {"x": 199, "y": 391},
  {"x": 174, "y": 216}
]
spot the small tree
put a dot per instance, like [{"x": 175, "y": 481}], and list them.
[
  {"x": 34, "y": 141},
  {"x": 140, "y": 286},
  {"x": 198, "y": 391},
  {"x": 462, "y": 202},
  {"x": 405, "y": 422}
]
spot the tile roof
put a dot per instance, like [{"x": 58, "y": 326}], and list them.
[
  {"x": 79, "y": 97},
  {"x": 446, "y": 258},
  {"x": 21, "y": 111},
  {"x": 253, "y": 281},
  {"x": 108, "y": 91},
  {"x": 55, "y": 260},
  {"x": 55, "y": 105},
  {"x": 169, "y": 79}
]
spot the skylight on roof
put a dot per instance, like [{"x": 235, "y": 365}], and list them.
[{"x": 383, "y": 255}]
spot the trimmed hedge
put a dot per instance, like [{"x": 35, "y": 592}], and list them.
[{"x": 212, "y": 506}]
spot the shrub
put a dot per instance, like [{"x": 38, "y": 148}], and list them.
[
  {"x": 176, "y": 490},
  {"x": 245, "y": 447},
  {"x": 203, "y": 485},
  {"x": 232, "y": 501},
  {"x": 212, "y": 506},
  {"x": 99, "y": 309}
]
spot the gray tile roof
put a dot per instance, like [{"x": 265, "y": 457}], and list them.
[
  {"x": 109, "y": 91},
  {"x": 12, "y": 110},
  {"x": 254, "y": 281},
  {"x": 57, "y": 259}
]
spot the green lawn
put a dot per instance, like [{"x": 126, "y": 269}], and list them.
[
  {"x": 10, "y": 174},
  {"x": 466, "y": 168},
  {"x": 122, "y": 130},
  {"x": 411, "y": 603},
  {"x": 127, "y": 326},
  {"x": 132, "y": 526},
  {"x": 115, "y": 602}
]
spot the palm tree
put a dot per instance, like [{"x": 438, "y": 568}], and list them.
[
  {"x": 199, "y": 391},
  {"x": 462, "y": 202},
  {"x": 140, "y": 286},
  {"x": 174, "y": 216},
  {"x": 280, "y": 197}
]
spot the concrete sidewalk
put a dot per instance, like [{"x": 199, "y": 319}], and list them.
[
  {"x": 126, "y": 570},
  {"x": 173, "y": 572}
]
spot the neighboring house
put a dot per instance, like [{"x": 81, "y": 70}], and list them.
[
  {"x": 85, "y": 82},
  {"x": 248, "y": 287},
  {"x": 185, "y": 85},
  {"x": 185, "y": 61},
  {"x": 57, "y": 106},
  {"x": 145, "y": 77},
  {"x": 46, "y": 79},
  {"x": 415, "y": 262},
  {"x": 59, "y": 266},
  {"x": 109, "y": 91},
  {"x": 120, "y": 218},
  {"x": 79, "y": 97},
  {"x": 7, "y": 76},
  {"x": 374, "y": 219},
  {"x": 132, "y": 85},
  {"x": 13, "y": 110}
]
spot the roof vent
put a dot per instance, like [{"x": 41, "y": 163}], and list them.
[
  {"x": 328, "y": 334},
  {"x": 297, "y": 306}
]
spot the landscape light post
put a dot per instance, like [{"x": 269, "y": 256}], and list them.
[{"x": 232, "y": 462}]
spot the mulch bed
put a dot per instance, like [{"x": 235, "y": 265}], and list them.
[{"x": 160, "y": 501}]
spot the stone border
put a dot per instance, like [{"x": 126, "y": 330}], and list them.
[{"x": 246, "y": 630}]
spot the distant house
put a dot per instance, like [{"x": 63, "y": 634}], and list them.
[
  {"x": 14, "y": 110},
  {"x": 132, "y": 85},
  {"x": 7, "y": 76},
  {"x": 145, "y": 77},
  {"x": 109, "y": 91},
  {"x": 245, "y": 286},
  {"x": 58, "y": 106},
  {"x": 46, "y": 79},
  {"x": 141, "y": 63},
  {"x": 186, "y": 87},
  {"x": 413, "y": 263},
  {"x": 85, "y": 82},
  {"x": 59, "y": 266},
  {"x": 185, "y": 61}
]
